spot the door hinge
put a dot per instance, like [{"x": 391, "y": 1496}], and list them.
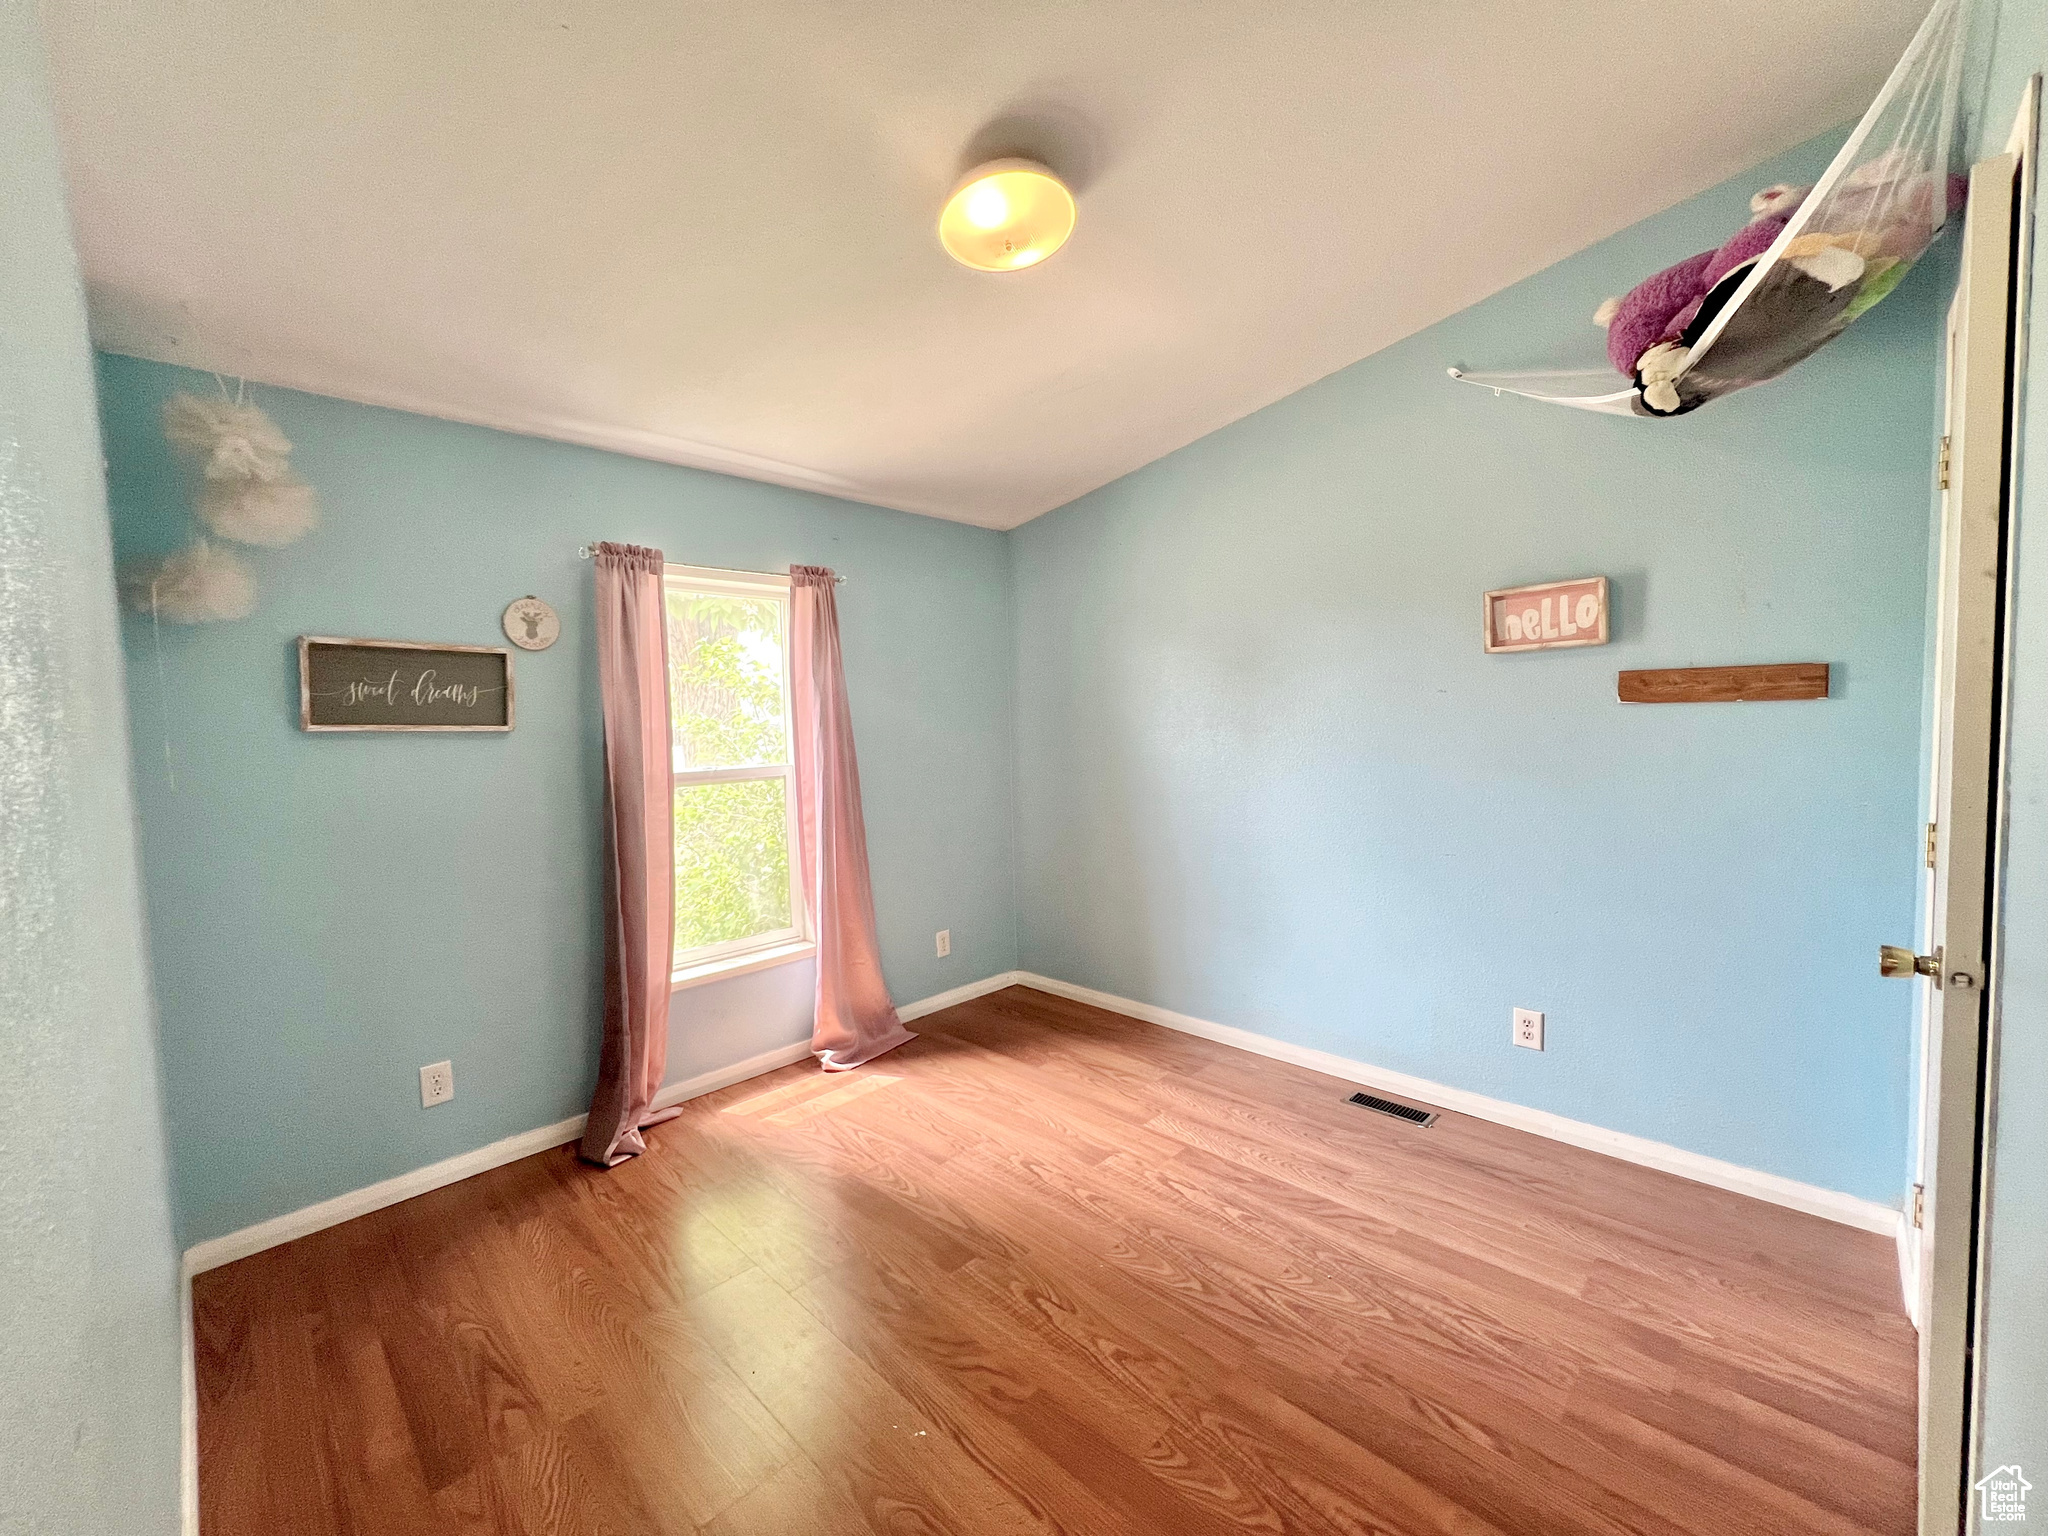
[
  {"x": 1944, "y": 461},
  {"x": 1919, "y": 1204},
  {"x": 1930, "y": 845}
]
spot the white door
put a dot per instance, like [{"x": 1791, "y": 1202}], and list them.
[{"x": 1951, "y": 965}]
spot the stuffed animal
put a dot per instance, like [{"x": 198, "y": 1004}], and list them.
[
  {"x": 1885, "y": 212},
  {"x": 1647, "y": 331},
  {"x": 1877, "y": 221}
]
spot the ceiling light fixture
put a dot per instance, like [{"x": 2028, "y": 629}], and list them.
[{"x": 1006, "y": 215}]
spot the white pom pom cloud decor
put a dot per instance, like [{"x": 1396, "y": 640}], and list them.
[
  {"x": 247, "y": 494},
  {"x": 272, "y": 513},
  {"x": 200, "y": 584},
  {"x": 231, "y": 441}
]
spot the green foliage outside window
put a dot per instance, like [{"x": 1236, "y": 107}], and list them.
[
  {"x": 725, "y": 697},
  {"x": 732, "y": 861}
]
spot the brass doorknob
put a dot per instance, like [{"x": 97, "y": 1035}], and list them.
[{"x": 1894, "y": 961}]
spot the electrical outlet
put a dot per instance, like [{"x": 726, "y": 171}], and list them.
[
  {"x": 437, "y": 1084},
  {"x": 945, "y": 942},
  {"x": 1528, "y": 1029}
]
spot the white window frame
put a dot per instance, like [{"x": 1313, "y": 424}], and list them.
[{"x": 732, "y": 956}]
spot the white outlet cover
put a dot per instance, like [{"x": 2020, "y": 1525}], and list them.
[
  {"x": 945, "y": 942},
  {"x": 1528, "y": 1029},
  {"x": 437, "y": 1084}
]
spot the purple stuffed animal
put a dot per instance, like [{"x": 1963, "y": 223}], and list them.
[{"x": 1645, "y": 329}]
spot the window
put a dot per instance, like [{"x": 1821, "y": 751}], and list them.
[{"x": 737, "y": 896}]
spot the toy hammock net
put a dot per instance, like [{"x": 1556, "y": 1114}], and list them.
[{"x": 1884, "y": 197}]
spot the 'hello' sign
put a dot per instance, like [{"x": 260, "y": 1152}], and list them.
[{"x": 1547, "y": 616}]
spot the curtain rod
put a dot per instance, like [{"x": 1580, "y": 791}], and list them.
[{"x": 585, "y": 551}]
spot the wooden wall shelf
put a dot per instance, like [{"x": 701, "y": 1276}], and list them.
[{"x": 1725, "y": 685}]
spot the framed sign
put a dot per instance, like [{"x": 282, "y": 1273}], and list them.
[
  {"x": 1547, "y": 616},
  {"x": 403, "y": 685}
]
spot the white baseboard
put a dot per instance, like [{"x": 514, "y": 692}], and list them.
[
  {"x": 217, "y": 1251},
  {"x": 239, "y": 1244},
  {"x": 959, "y": 995},
  {"x": 1815, "y": 1201},
  {"x": 725, "y": 1077}
]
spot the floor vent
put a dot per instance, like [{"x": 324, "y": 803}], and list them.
[{"x": 1406, "y": 1112}]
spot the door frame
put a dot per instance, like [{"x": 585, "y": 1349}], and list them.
[
  {"x": 1983, "y": 357},
  {"x": 2024, "y": 145}
]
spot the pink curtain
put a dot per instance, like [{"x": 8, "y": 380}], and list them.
[
  {"x": 639, "y": 847},
  {"x": 856, "y": 1021}
]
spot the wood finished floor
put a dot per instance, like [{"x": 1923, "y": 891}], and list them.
[{"x": 1049, "y": 1269}]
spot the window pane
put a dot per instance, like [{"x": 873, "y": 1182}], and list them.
[
  {"x": 732, "y": 861},
  {"x": 725, "y": 679}
]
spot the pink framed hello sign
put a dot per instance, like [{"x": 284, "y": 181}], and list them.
[{"x": 1548, "y": 616}]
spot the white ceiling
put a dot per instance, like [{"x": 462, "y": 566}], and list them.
[{"x": 704, "y": 233}]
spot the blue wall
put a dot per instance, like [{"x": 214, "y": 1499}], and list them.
[
  {"x": 1267, "y": 777},
  {"x": 89, "y": 1342},
  {"x": 328, "y": 913},
  {"x": 2015, "y": 1353}
]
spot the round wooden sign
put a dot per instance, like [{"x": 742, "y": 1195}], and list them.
[{"x": 531, "y": 624}]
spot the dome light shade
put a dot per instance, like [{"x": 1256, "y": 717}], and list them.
[{"x": 1006, "y": 215}]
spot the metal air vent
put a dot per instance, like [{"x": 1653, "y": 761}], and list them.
[{"x": 1406, "y": 1112}]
